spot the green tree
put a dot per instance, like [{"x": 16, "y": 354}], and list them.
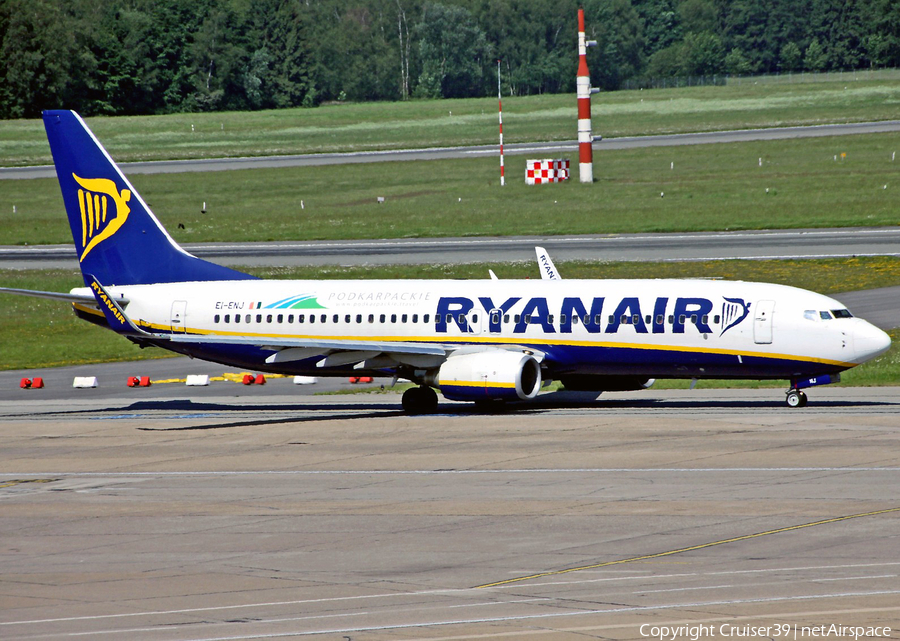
[
  {"x": 736, "y": 63},
  {"x": 701, "y": 54},
  {"x": 662, "y": 24},
  {"x": 454, "y": 53},
  {"x": 815, "y": 58},
  {"x": 882, "y": 41},
  {"x": 44, "y": 56},
  {"x": 617, "y": 28},
  {"x": 219, "y": 63},
  {"x": 791, "y": 57},
  {"x": 698, "y": 16},
  {"x": 278, "y": 71}
]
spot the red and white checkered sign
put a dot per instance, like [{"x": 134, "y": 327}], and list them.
[{"x": 539, "y": 172}]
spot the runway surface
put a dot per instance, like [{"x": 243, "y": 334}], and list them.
[
  {"x": 238, "y": 517},
  {"x": 446, "y": 153}
]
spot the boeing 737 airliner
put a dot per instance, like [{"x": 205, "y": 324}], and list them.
[{"x": 476, "y": 341}]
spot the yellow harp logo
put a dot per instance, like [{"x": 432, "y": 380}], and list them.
[{"x": 99, "y": 221}]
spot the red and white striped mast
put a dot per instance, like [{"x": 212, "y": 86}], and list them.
[
  {"x": 584, "y": 91},
  {"x": 500, "y": 113}
]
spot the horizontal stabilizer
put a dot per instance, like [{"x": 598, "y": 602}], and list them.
[{"x": 60, "y": 296}]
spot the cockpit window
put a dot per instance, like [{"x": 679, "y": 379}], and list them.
[
  {"x": 825, "y": 315},
  {"x": 810, "y": 314},
  {"x": 842, "y": 313}
]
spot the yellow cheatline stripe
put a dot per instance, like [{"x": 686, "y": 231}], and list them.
[
  {"x": 477, "y": 384},
  {"x": 523, "y": 340},
  {"x": 688, "y": 549},
  {"x": 23, "y": 481},
  {"x": 499, "y": 340}
]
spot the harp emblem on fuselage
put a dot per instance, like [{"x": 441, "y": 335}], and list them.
[
  {"x": 734, "y": 310},
  {"x": 104, "y": 210}
]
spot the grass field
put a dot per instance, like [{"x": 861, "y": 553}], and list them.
[
  {"x": 356, "y": 127},
  {"x": 711, "y": 187},
  {"x": 40, "y": 333}
]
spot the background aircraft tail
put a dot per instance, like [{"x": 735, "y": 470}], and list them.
[{"x": 117, "y": 237}]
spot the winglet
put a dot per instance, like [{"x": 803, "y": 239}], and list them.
[
  {"x": 548, "y": 269},
  {"x": 116, "y": 317}
]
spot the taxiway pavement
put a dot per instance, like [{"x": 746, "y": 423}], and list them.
[{"x": 249, "y": 516}]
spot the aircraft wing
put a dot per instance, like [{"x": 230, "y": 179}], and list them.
[{"x": 271, "y": 342}]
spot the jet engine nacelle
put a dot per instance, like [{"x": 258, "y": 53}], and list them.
[{"x": 494, "y": 374}]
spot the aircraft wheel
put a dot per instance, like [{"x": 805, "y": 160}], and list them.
[
  {"x": 796, "y": 398},
  {"x": 419, "y": 400}
]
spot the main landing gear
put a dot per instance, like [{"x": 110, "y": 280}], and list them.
[
  {"x": 419, "y": 400},
  {"x": 796, "y": 398}
]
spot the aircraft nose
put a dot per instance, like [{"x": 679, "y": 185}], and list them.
[{"x": 869, "y": 341}]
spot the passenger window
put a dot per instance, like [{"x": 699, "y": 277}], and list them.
[
  {"x": 323, "y": 318},
  {"x": 495, "y": 318},
  {"x": 290, "y": 319},
  {"x": 681, "y": 319},
  {"x": 672, "y": 319},
  {"x": 393, "y": 318},
  {"x": 237, "y": 318},
  {"x": 562, "y": 319},
  {"x": 550, "y": 319},
  {"x": 381, "y": 318},
  {"x": 359, "y": 318},
  {"x": 403, "y": 318},
  {"x": 425, "y": 318},
  {"x": 227, "y": 318},
  {"x": 247, "y": 318},
  {"x": 659, "y": 319},
  {"x": 312, "y": 318},
  {"x": 301, "y": 318},
  {"x": 415, "y": 318},
  {"x": 371, "y": 318},
  {"x": 648, "y": 319},
  {"x": 268, "y": 318},
  {"x": 636, "y": 319},
  {"x": 335, "y": 318},
  {"x": 280, "y": 318},
  {"x": 259, "y": 318},
  {"x": 527, "y": 319},
  {"x": 716, "y": 319},
  {"x": 216, "y": 318}
]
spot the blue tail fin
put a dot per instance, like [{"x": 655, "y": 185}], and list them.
[{"x": 117, "y": 237}]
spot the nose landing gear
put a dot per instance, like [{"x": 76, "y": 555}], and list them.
[{"x": 796, "y": 398}]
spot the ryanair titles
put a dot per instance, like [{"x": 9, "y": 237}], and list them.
[
  {"x": 661, "y": 316},
  {"x": 104, "y": 300}
]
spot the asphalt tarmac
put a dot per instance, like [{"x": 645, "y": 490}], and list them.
[{"x": 258, "y": 514}]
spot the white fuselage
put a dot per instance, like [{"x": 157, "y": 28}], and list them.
[{"x": 658, "y": 328}]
